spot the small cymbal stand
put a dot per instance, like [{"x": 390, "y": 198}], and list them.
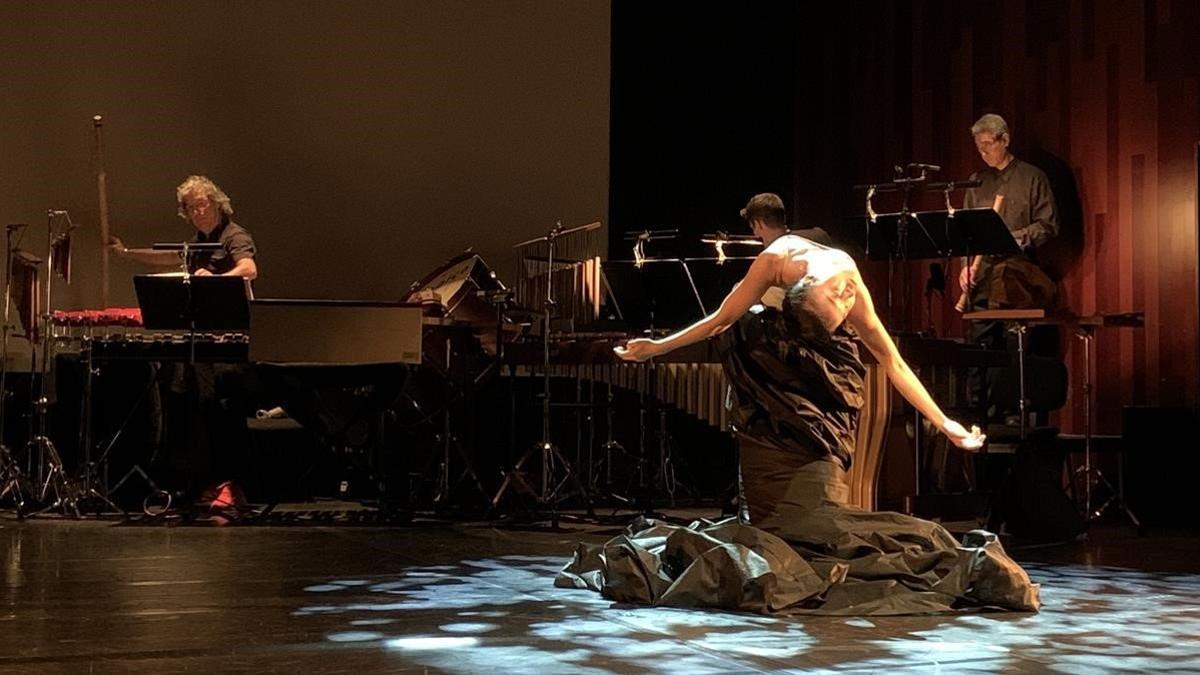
[
  {"x": 51, "y": 474},
  {"x": 12, "y": 481},
  {"x": 1091, "y": 473},
  {"x": 600, "y": 474},
  {"x": 556, "y": 470},
  {"x": 649, "y": 397}
]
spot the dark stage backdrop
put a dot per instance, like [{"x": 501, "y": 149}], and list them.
[
  {"x": 703, "y": 114},
  {"x": 362, "y": 142},
  {"x": 715, "y": 101}
]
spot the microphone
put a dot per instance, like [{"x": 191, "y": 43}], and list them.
[{"x": 925, "y": 167}]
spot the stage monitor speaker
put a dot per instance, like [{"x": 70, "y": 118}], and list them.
[{"x": 1161, "y": 469}]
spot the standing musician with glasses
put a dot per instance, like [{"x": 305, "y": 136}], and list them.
[
  {"x": 201, "y": 411},
  {"x": 1020, "y": 193},
  {"x": 208, "y": 209}
]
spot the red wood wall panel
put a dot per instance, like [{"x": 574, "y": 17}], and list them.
[{"x": 1105, "y": 90}]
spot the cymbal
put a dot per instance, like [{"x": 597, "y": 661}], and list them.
[{"x": 557, "y": 232}]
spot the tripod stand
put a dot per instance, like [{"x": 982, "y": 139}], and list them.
[
  {"x": 51, "y": 474},
  {"x": 1086, "y": 332},
  {"x": 12, "y": 481},
  {"x": 89, "y": 475},
  {"x": 600, "y": 471},
  {"x": 647, "y": 293},
  {"x": 449, "y": 442},
  {"x": 556, "y": 470}
]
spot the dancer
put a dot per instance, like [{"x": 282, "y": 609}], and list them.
[{"x": 791, "y": 331}]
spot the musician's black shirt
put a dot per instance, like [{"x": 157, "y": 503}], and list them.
[
  {"x": 236, "y": 244},
  {"x": 1028, "y": 208}
]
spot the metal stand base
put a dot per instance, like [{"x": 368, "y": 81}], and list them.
[
  {"x": 1116, "y": 498},
  {"x": 155, "y": 492},
  {"x": 1090, "y": 472},
  {"x": 445, "y": 485},
  {"x": 12, "y": 482},
  {"x": 550, "y": 493},
  {"x": 54, "y": 481}
]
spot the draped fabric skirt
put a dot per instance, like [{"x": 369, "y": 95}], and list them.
[{"x": 808, "y": 553}]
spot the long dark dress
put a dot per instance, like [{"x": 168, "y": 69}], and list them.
[{"x": 799, "y": 390}]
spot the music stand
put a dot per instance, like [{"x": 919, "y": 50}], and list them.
[
  {"x": 192, "y": 303},
  {"x": 965, "y": 232},
  {"x": 943, "y": 234},
  {"x": 185, "y": 302},
  {"x": 655, "y": 294},
  {"x": 715, "y": 278},
  {"x": 650, "y": 294}
]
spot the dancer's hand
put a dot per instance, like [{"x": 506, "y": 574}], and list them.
[
  {"x": 971, "y": 441},
  {"x": 637, "y": 350}
]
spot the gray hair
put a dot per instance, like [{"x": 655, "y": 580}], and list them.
[
  {"x": 203, "y": 186},
  {"x": 990, "y": 124}
]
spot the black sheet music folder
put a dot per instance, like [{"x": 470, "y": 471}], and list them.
[{"x": 175, "y": 302}]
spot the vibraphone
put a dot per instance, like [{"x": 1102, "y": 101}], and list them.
[
  {"x": 114, "y": 334},
  {"x": 693, "y": 380}
]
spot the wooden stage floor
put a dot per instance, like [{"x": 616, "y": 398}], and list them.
[{"x": 476, "y": 598}]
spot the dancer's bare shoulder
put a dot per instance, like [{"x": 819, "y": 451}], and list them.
[{"x": 800, "y": 259}]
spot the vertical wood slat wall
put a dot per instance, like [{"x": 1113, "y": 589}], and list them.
[{"x": 1100, "y": 94}]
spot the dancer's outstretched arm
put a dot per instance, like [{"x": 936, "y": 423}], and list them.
[
  {"x": 871, "y": 331},
  {"x": 743, "y": 296}
]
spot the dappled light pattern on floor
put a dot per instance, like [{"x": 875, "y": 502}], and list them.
[{"x": 503, "y": 613}]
